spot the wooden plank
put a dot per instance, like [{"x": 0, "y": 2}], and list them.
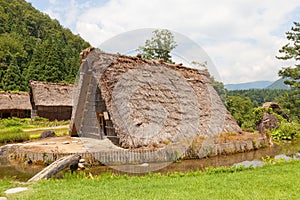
[{"x": 106, "y": 116}]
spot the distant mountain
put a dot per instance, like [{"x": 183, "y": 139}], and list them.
[
  {"x": 276, "y": 85},
  {"x": 279, "y": 84},
  {"x": 248, "y": 85}
]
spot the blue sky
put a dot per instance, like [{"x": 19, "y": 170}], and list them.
[{"x": 242, "y": 38}]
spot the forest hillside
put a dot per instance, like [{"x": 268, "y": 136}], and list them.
[{"x": 35, "y": 47}]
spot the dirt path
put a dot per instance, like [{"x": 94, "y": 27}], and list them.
[{"x": 67, "y": 144}]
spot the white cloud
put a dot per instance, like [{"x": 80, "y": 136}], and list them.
[
  {"x": 239, "y": 36},
  {"x": 52, "y": 1}
]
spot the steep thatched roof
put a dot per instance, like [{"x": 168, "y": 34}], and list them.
[
  {"x": 153, "y": 102},
  {"x": 14, "y": 101},
  {"x": 51, "y": 94}
]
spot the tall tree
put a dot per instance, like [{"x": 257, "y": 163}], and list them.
[
  {"x": 159, "y": 46},
  {"x": 12, "y": 79},
  {"x": 291, "y": 51}
]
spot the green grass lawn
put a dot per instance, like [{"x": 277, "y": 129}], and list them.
[
  {"x": 19, "y": 130},
  {"x": 278, "y": 181}
]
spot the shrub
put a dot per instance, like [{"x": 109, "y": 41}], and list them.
[{"x": 286, "y": 131}]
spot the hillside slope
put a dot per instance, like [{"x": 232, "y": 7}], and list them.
[
  {"x": 278, "y": 85},
  {"x": 35, "y": 47}
]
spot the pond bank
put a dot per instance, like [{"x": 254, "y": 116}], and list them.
[
  {"x": 22, "y": 171},
  {"x": 50, "y": 149}
]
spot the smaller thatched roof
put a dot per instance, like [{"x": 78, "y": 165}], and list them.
[
  {"x": 272, "y": 105},
  {"x": 51, "y": 94},
  {"x": 14, "y": 101}
]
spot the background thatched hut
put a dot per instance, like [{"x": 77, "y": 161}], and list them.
[
  {"x": 14, "y": 104},
  {"x": 146, "y": 102},
  {"x": 51, "y": 100}
]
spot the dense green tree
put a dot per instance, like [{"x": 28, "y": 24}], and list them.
[
  {"x": 35, "y": 69},
  {"x": 291, "y": 51},
  {"x": 159, "y": 46},
  {"x": 40, "y": 47},
  {"x": 259, "y": 96},
  {"x": 220, "y": 89},
  {"x": 12, "y": 79},
  {"x": 241, "y": 108},
  {"x": 53, "y": 67}
]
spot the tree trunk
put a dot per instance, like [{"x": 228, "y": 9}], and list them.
[{"x": 55, "y": 167}]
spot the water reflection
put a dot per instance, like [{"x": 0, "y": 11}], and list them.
[
  {"x": 24, "y": 172},
  {"x": 14, "y": 170}
]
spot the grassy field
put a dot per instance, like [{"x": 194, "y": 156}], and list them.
[
  {"x": 19, "y": 130},
  {"x": 276, "y": 181}
]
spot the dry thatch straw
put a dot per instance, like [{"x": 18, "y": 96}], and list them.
[
  {"x": 51, "y": 94},
  {"x": 140, "y": 95},
  {"x": 14, "y": 101}
]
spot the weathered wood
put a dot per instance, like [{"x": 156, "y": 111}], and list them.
[{"x": 56, "y": 167}]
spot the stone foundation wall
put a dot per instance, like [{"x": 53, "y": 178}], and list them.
[
  {"x": 123, "y": 157},
  {"x": 214, "y": 148}
]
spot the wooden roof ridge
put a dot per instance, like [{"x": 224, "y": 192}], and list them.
[
  {"x": 138, "y": 58},
  {"x": 50, "y": 83}
]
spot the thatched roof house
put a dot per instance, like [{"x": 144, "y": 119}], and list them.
[
  {"x": 14, "y": 104},
  {"x": 51, "y": 100},
  {"x": 145, "y": 102}
]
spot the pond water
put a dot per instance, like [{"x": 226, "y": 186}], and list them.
[{"x": 23, "y": 172}]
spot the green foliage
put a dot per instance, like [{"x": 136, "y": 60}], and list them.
[
  {"x": 40, "y": 119},
  {"x": 272, "y": 161},
  {"x": 61, "y": 133},
  {"x": 5, "y": 123},
  {"x": 35, "y": 136},
  {"x": 220, "y": 89},
  {"x": 34, "y": 47},
  {"x": 286, "y": 131},
  {"x": 11, "y": 131},
  {"x": 28, "y": 123},
  {"x": 290, "y": 102},
  {"x": 291, "y": 51},
  {"x": 258, "y": 114},
  {"x": 13, "y": 134},
  {"x": 232, "y": 169},
  {"x": 159, "y": 46},
  {"x": 6, "y": 184},
  {"x": 259, "y": 96},
  {"x": 19, "y": 130},
  {"x": 241, "y": 108},
  {"x": 248, "y": 114}
]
